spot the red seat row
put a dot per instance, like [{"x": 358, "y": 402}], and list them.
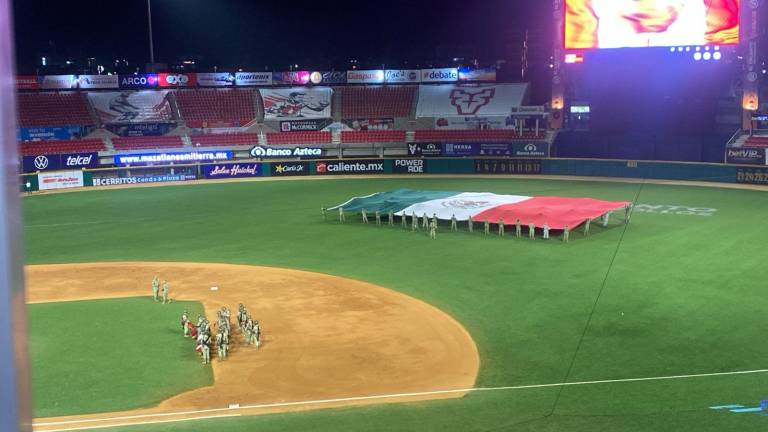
[
  {"x": 490, "y": 135},
  {"x": 226, "y": 107},
  {"x": 377, "y": 102},
  {"x": 756, "y": 142},
  {"x": 53, "y": 109},
  {"x": 58, "y": 147}
]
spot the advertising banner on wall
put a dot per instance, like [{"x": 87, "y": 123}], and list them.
[
  {"x": 172, "y": 80},
  {"x": 290, "y": 78},
  {"x": 475, "y": 123},
  {"x": 439, "y": 75},
  {"x": 27, "y": 82},
  {"x": 370, "y": 124},
  {"x": 231, "y": 170},
  {"x": 402, "y": 76},
  {"x": 346, "y": 167},
  {"x": 175, "y": 157},
  {"x": 220, "y": 79},
  {"x": 409, "y": 166},
  {"x": 471, "y": 74},
  {"x": 297, "y": 103},
  {"x": 289, "y": 169},
  {"x": 140, "y": 129},
  {"x": 751, "y": 156},
  {"x": 132, "y": 107},
  {"x": 253, "y": 78},
  {"x": 752, "y": 176},
  {"x": 118, "y": 181},
  {"x": 335, "y": 77},
  {"x": 263, "y": 152},
  {"x": 461, "y": 101},
  {"x": 50, "y": 133},
  {"x": 425, "y": 149},
  {"x": 58, "y": 82},
  {"x": 365, "y": 77},
  {"x": 460, "y": 149},
  {"x": 59, "y": 162},
  {"x": 304, "y": 125},
  {"x": 60, "y": 180},
  {"x": 98, "y": 81},
  {"x": 138, "y": 81},
  {"x": 507, "y": 166}
]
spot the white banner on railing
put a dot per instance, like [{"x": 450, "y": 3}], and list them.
[
  {"x": 402, "y": 76},
  {"x": 439, "y": 75},
  {"x": 60, "y": 180},
  {"x": 463, "y": 101},
  {"x": 297, "y": 103},
  {"x": 145, "y": 106}
]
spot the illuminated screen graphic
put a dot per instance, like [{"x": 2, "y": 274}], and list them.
[{"x": 650, "y": 23}]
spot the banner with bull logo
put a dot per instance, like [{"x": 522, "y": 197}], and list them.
[
  {"x": 297, "y": 103},
  {"x": 472, "y": 101},
  {"x": 132, "y": 106}
]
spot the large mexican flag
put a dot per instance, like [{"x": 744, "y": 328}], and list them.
[{"x": 557, "y": 212}]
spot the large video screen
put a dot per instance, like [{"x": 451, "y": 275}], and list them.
[{"x": 650, "y": 23}]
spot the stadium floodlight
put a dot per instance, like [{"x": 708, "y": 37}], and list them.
[
  {"x": 698, "y": 48},
  {"x": 687, "y": 49},
  {"x": 697, "y": 56},
  {"x": 717, "y": 55},
  {"x": 679, "y": 49},
  {"x": 707, "y": 56},
  {"x": 671, "y": 49}
]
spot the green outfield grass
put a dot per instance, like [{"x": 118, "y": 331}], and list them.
[
  {"x": 110, "y": 355},
  {"x": 672, "y": 294}
]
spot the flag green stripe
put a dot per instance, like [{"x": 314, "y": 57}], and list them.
[{"x": 394, "y": 201}]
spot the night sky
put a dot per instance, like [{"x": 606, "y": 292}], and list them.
[{"x": 273, "y": 34}]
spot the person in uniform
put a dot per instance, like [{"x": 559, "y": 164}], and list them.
[
  {"x": 566, "y": 234},
  {"x": 257, "y": 333},
  {"x": 470, "y": 222},
  {"x": 545, "y": 228},
  {"x": 414, "y": 222},
  {"x": 627, "y": 211},
  {"x": 206, "y": 348},
  {"x": 518, "y": 228},
  {"x": 432, "y": 229},
  {"x": 378, "y": 218},
  {"x": 605, "y": 219},
  {"x": 166, "y": 288},
  {"x": 586, "y": 227},
  {"x": 322, "y": 209},
  {"x": 425, "y": 222},
  {"x": 391, "y": 218},
  {"x": 184, "y": 322},
  {"x": 531, "y": 230},
  {"x": 453, "y": 223},
  {"x": 486, "y": 227},
  {"x": 404, "y": 220},
  {"x": 341, "y": 215},
  {"x": 365, "y": 216},
  {"x": 501, "y": 227},
  {"x": 156, "y": 288}
]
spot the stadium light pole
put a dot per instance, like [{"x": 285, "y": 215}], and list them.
[
  {"x": 151, "y": 40},
  {"x": 15, "y": 401}
]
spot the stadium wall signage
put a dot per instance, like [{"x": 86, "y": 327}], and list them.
[
  {"x": 170, "y": 80},
  {"x": 117, "y": 181},
  {"x": 98, "y": 82},
  {"x": 60, "y": 162},
  {"x": 289, "y": 169},
  {"x": 507, "y": 166},
  {"x": 370, "y": 124},
  {"x": 335, "y": 77},
  {"x": 263, "y": 152},
  {"x": 409, "y": 166},
  {"x": 138, "y": 81},
  {"x": 58, "y": 82},
  {"x": 220, "y": 79},
  {"x": 304, "y": 125},
  {"x": 365, "y": 77},
  {"x": 425, "y": 149},
  {"x": 27, "y": 82},
  {"x": 50, "y": 133},
  {"x": 253, "y": 79},
  {"x": 439, "y": 75},
  {"x": 752, "y": 176},
  {"x": 402, "y": 76},
  {"x": 290, "y": 78},
  {"x": 178, "y": 157},
  {"x": 469, "y": 74},
  {"x": 751, "y": 156},
  {"x": 231, "y": 170},
  {"x": 60, "y": 180},
  {"x": 140, "y": 129},
  {"x": 345, "y": 167}
]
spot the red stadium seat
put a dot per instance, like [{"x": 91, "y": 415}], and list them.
[
  {"x": 299, "y": 138},
  {"x": 53, "y": 109},
  {"x": 209, "y": 107},
  {"x": 489, "y": 135},
  {"x": 222, "y": 140},
  {"x": 377, "y": 102},
  {"x": 756, "y": 142},
  {"x": 57, "y": 147},
  {"x": 383, "y": 136},
  {"x": 152, "y": 142}
]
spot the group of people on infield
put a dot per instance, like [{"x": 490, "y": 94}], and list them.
[
  {"x": 158, "y": 290},
  {"x": 430, "y": 225}
]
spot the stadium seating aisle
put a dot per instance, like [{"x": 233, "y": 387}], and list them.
[
  {"x": 57, "y": 147},
  {"x": 377, "y": 102},
  {"x": 141, "y": 143},
  {"x": 222, "y": 140},
  {"x": 226, "y": 106},
  {"x": 53, "y": 109},
  {"x": 492, "y": 135},
  {"x": 299, "y": 138}
]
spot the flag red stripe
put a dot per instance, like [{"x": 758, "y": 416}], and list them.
[{"x": 557, "y": 212}]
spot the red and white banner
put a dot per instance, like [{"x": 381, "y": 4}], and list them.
[
  {"x": 476, "y": 101},
  {"x": 145, "y": 106},
  {"x": 27, "y": 82},
  {"x": 297, "y": 103},
  {"x": 60, "y": 180},
  {"x": 365, "y": 77},
  {"x": 170, "y": 80},
  {"x": 98, "y": 82}
]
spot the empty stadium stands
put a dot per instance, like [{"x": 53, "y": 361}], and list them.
[
  {"x": 54, "y": 109},
  {"x": 756, "y": 142},
  {"x": 227, "y": 107},
  {"x": 225, "y": 140},
  {"x": 491, "y": 135},
  {"x": 377, "y": 102},
  {"x": 142, "y": 143},
  {"x": 58, "y": 147},
  {"x": 299, "y": 138},
  {"x": 385, "y": 136}
]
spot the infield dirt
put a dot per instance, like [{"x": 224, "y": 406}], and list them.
[{"x": 324, "y": 337}]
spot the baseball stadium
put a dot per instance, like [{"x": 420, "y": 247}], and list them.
[{"x": 409, "y": 248}]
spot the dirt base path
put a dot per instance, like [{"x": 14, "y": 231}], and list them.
[{"x": 325, "y": 338}]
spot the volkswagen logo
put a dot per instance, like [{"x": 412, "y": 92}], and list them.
[
  {"x": 530, "y": 147},
  {"x": 41, "y": 162}
]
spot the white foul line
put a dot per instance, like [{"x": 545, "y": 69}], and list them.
[
  {"x": 387, "y": 396},
  {"x": 142, "y": 423}
]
